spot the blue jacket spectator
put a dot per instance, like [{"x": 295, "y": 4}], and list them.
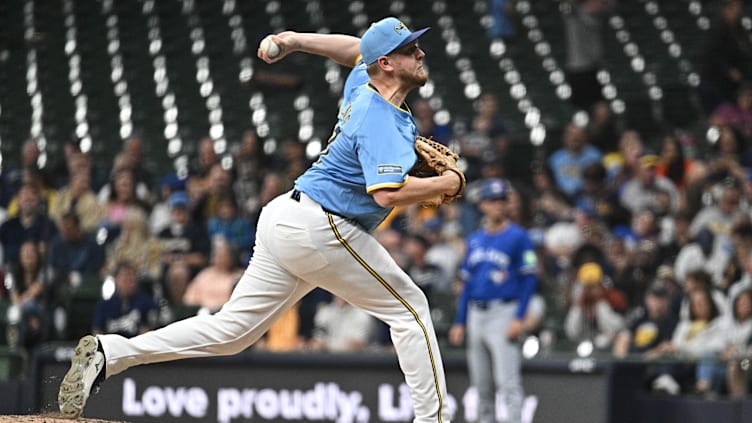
[
  {"x": 130, "y": 311},
  {"x": 569, "y": 162}
]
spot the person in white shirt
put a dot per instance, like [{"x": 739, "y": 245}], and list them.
[{"x": 341, "y": 327}]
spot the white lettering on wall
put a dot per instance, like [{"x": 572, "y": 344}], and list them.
[
  {"x": 156, "y": 401},
  {"x": 326, "y": 401}
]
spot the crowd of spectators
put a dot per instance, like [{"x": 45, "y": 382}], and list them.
[{"x": 645, "y": 246}]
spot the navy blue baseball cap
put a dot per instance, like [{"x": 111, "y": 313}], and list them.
[
  {"x": 385, "y": 36},
  {"x": 494, "y": 189}
]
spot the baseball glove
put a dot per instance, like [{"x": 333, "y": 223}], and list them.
[{"x": 435, "y": 159}]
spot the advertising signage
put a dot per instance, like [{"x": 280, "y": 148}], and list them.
[{"x": 318, "y": 388}]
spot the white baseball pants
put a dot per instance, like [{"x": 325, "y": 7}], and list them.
[{"x": 299, "y": 246}]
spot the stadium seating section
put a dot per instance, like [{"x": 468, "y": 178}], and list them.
[{"x": 177, "y": 70}]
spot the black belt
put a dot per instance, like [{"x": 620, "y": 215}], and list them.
[
  {"x": 485, "y": 304},
  {"x": 296, "y": 196}
]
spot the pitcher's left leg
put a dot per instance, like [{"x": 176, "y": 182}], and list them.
[{"x": 363, "y": 273}]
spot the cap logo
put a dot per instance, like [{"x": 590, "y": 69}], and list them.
[{"x": 398, "y": 29}]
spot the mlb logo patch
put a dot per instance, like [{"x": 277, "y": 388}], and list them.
[{"x": 389, "y": 169}]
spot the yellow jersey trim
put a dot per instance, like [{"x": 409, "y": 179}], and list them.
[
  {"x": 399, "y": 298},
  {"x": 377, "y": 187},
  {"x": 404, "y": 108}
]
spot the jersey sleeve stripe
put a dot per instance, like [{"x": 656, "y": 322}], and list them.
[{"x": 377, "y": 187}]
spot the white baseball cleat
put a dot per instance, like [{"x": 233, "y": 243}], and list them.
[{"x": 86, "y": 367}]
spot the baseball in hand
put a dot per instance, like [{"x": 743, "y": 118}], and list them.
[{"x": 270, "y": 47}]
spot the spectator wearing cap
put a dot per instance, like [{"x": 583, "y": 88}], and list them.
[
  {"x": 621, "y": 165},
  {"x": 648, "y": 190},
  {"x": 648, "y": 336},
  {"x": 159, "y": 218},
  {"x": 185, "y": 247},
  {"x": 591, "y": 316},
  {"x": 569, "y": 161},
  {"x": 718, "y": 218},
  {"x": 649, "y": 326},
  {"x": 229, "y": 224},
  {"x": 666, "y": 277}
]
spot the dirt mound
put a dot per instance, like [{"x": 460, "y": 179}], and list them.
[{"x": 48, "y": 418}]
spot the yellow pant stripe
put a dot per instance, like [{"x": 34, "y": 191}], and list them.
[{"x": 396, "y": 295}]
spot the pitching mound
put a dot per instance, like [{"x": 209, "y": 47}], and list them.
[{"x": 51, "y": 418}]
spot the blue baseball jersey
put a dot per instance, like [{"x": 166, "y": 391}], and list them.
[
  {"x": 498, "y": 266},
  {"x": 371, "y": 148}
]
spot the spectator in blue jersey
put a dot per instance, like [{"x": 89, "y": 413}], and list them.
[
  {"x": 130, "y": 311},
  {"x": 499, "y": 278},
  {"x": 229, "y": 224},
  {"x": 569, "y": 162}
]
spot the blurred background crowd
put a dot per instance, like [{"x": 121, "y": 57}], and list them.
[{"x": 644, "y": 236}]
